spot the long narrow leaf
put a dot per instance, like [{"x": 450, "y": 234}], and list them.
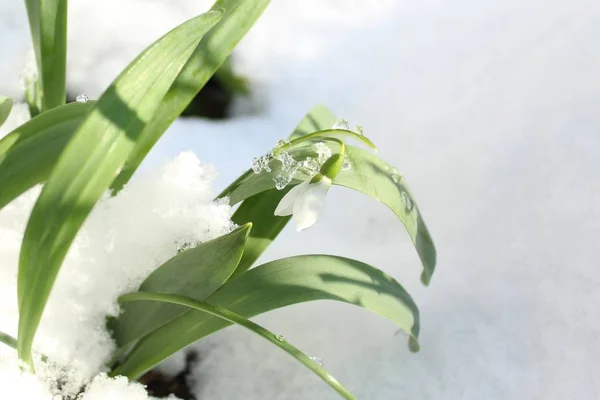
[
  {"x": 212, "y": 51},
  {"x": 275, "y": 285},
  {"x": 48, "y": 24},
  {"x": 8, "y": 340},
  {"x": 376, "y": 178},
  {"x": 5, "y": 107},
  {"x": 196, "y": 273},
  {"x": 28, "y": 154},
  {"x": 90, "y": 162},
  {"x": 237, "y": 319},
  {"x": 259, "y": 210},
  {"x": 318, "y": 118}
]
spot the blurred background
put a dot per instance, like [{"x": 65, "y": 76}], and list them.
[{"x": 491, "y": 110}]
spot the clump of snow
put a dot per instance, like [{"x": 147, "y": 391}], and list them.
[
  {"x": 122, "y": 241},
  {"x": 18, "y": 385},
  {"x": 103, "y": 387}
]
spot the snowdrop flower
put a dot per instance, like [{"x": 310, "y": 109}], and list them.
[{"x": 306, "y": 201}]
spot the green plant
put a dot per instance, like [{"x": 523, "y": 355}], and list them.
[{"x": 80, "y": 150}]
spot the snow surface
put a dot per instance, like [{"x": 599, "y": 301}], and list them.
[{"x": 490, "y": 109}]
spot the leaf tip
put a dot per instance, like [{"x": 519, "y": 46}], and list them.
[
  {"x": 247, "y": 227},
  {"x": 413, "y": 345},
  {"x": 6, "y": 104},
  {"x": 425, "y": 278}
]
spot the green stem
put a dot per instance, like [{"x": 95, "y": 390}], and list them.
[
  {"x": 234, "y": 318},
  {"x": 327, "y": 134}
]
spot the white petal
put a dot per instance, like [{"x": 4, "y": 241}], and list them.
[
  {"x": 310, "y": 204},
  {"x": 286, "y": 205}
]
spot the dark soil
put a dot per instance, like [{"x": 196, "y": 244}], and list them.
[
  {"x": 160, "y": 385},
  {"x": 212, "y": 102}
]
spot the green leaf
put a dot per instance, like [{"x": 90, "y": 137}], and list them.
[
  {"x": 89, "y": 163},
  {"x": 196, "y": 273},
  {"x": 250, "y": 183},
  {"x": 212, "y": 51},
  {"x": 275, "y": 285},
  {"x": 6, "y": 104},
  {"x": 259, "y": 210},
  {"x": 233, "y": 318},
  {"x": 370, "y": 175},
  {"x": 376, "y": 178},
  {"x": 319, "y": 118},
  {"x": 28, "y": 154},
  {"x": 8, "y": 340},
  {"x": 48, "y": 24}
]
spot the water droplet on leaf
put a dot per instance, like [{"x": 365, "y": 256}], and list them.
[
  {"x": 346, "y": 165},
  {"x": 264, "y": 162},
  {"x": 82, "y": 98},
  {"x": 323, "y": 152},
  {"x": 280, "y": 338},
  {"x": 396, "y": 175},
  {"x": 281, "y": 181},
  {"x": 256, "y": 165},
  {"x": 288, "y": 163},
  {"x": 318, "y": 360},
  {"x": 408, "y": 201},
  {"x": 281, "y": 143},
  {"x": 311, "y": 165},
  {"x": 341, "y": 123},
  {"x": 232, "y": 227}
]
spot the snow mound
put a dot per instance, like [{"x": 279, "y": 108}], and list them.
[{"x": 122, "y": 241}]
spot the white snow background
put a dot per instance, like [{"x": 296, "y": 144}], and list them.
[{"x": 491, "y": 110}]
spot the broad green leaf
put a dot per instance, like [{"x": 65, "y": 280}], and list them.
[
  {"x": 376, "y": 178},
  {"x": 48, "y": 24},
  {"x": 233, "y": 318},
  {"x": 28, "y": 154},
  {"x": 259, "y": 210},
  {"x": 196, "y": 273},
  {"x": 90, "y": 162},
  {"x": 212, "y": 51},
  {"x": 318, "y": 118},
  {"x": 5, "y": 107},
  {"x": 8, "y": 340},
  {"x": 275, "y": 285}
]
